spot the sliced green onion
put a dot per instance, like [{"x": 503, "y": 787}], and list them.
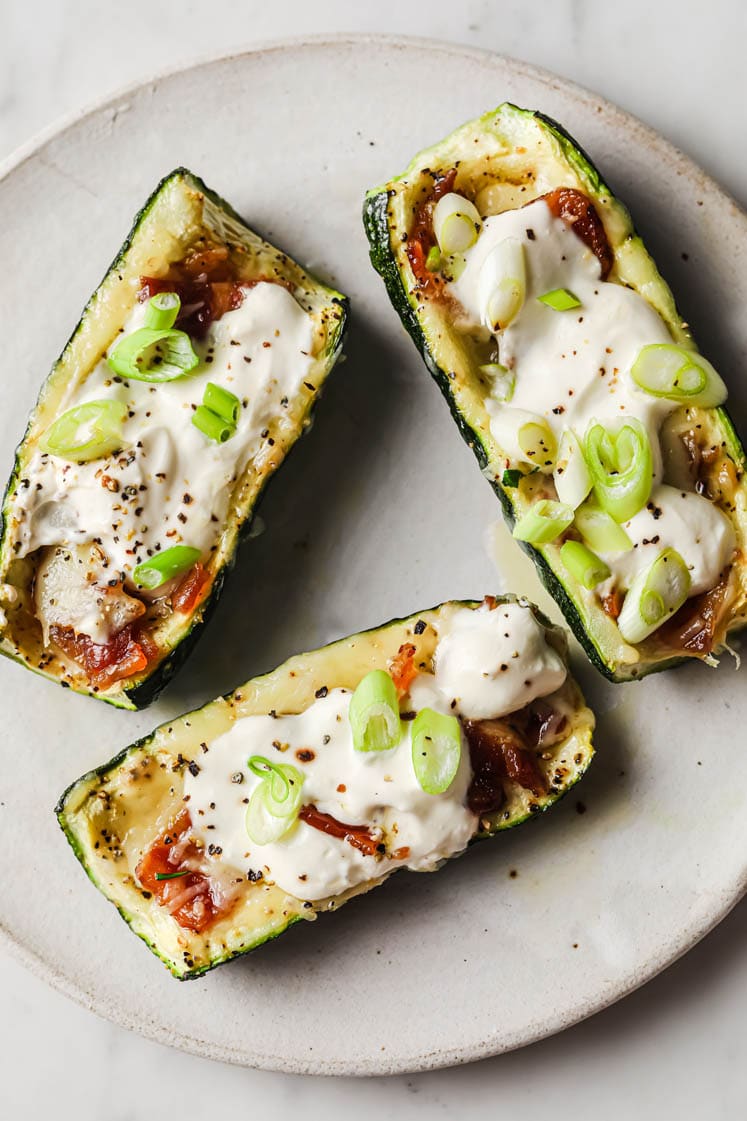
[
  {"x": 571, "y": 475},
  {"x": 501, "y": 286},
  {"x": 524, "y": 437},
  {"x": 222, "y": 402},
  {"x": 161, "y": 567},
  {"x": 538, "y": 445},
  {"x": 153, "y": 355},
  {"x": 436, "y": 750},
  {"x": 212, "y": 425},
  {"x": 600, "y": 531},
  {"x": 621, "y": 467},
  {"x": 86, "y": 432},
  {"x": 584, "y": 566},
  {"x": 274, "y": 804},
  {"x": 456, "y": 223},
  {"x": 171, "y": 875},
  {"x": 511, "y": 477},
  {"x": 504, "y": 381},
  {"x": 374, "y": 713},
  {"x": 679, "y": 374},
  {"x": 545, "y": 521},
  {"x": 283, "y": 782},
  {"x": 162, "y": 311},
  {"x": 452, "y": 267},
  {"x": 560, "y": 299},
  {"x": 433, "y": 260},
  {"x": 655, "y": 594}
]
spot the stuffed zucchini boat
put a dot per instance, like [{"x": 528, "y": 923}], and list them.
[
  {"x": 395, "y": 748},
  {"x": 191, "y": 374},
  {"x": 571, "y": 375}
]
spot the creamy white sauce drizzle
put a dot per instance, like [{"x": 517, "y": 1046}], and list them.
[
  {"x": 173, "y": 485},
  {"x": 700, "y": 532},
  {"x": 573, "y": 367},
  {"x": 377, "y": 790},
  {"x": 558, "y": 357},
  {"x": 493, "y": 662}
]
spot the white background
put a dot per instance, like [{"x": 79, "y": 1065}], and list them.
[{"x": 678, "y": 1047}]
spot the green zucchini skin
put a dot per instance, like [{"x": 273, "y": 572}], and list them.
[
  {"x": 145, "y": 689},
  {"x": 85, "y": 790},
  {"x": 379, "y": 230}
]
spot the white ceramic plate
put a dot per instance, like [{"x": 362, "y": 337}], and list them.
[{"x": 381, "y": 510}]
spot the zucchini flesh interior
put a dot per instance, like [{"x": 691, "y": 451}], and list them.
[
  {"x": 502, "y": 161},
  {"x": 113, "y": 815},
  {"x": 180, "y": 221}
]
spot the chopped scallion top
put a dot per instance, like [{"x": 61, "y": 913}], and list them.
[
  {"x": 621, "y": 467},
  {"x": 560, "y": 299},
  {"x": 275, "y": 802},
  {"x": 89, "y": 431},
  {"x": 153, "y": 355},
  {"x": 212, "y": 425},
  {"x": 162, "y": 311},
  {"x": 161, "y": 567},
  {"x": 436, "y": 750},
  {"x": 543, "y": 522},
  {"x": 654, "y": 596},
  {"x": 222, "y": 402},
  {"x": 433, "y": 260},
  {"x": 679, "y": 374},
  {"x": 584, "y": 566},
  {"x": 456, "y": 223},
  {"x": 374, "y": 713}
]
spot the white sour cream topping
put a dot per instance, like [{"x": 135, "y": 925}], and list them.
[
  {"x": 493, "y": 662},
  {"x": 700, "y": 532},
  {"x": 378, "y": 789},
  {"x": 173, "y": 485},
  {"x": 571, "y": 367}
]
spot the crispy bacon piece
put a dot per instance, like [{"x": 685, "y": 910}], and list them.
[
  {"x": 498, "y": 752},
  {"x": 191, "y": 898},
  {"x": 127, "y": 653},
  {"x": 206, "y": 284},
  {"x": 612, "y": 604},
  {"x": 192, "y": 590},
  {"x": 421, "y": 239},
  {"x": 577, "y": 209},
  {"x": 402, "y": 668},
  {"x": 542, "y": 725},
  {"x": 356, "y": 835},
  {"x": 693, "y": 628}
]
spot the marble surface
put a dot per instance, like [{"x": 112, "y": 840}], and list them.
[{"x": 672, "y": 1049}]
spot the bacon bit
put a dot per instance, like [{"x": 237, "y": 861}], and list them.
[
  {"x": 490, "y": 602},
  {"x": 356, "y": 835},
  {"x": 544, "y": 726},
  {"x": 578, "y": 211},
  {"x": 402, "y": 668},
  {"x": 401, "y": 853},
  {"x": 193, "y": 900},
  {"x": 105, "y": 663},
  {"x": 498, "y": 752},
  {"x": 206, "y": 284},
  {"x": 191, "y": 591},
  {"x": 693, "y": 628},
  {"x": 421, "y": 238},
  {"x": 612, "y": 604}
]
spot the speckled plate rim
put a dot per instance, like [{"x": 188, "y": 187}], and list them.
[{"x": 558, "y": 1019}]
